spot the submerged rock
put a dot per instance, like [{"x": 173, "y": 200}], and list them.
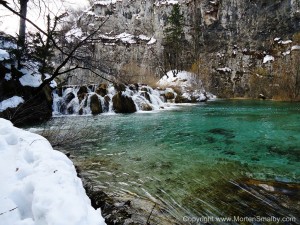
[{"x": 123, "y": 103}]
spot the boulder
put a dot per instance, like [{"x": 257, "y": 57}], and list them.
[
  {"x": 181, "y": 99},
  {"x": 146, "y": 107},
  {"x": 82, "y": 92},
  {"x": 123, "y": 104},
  {"x": 102, "y": 89},
  {"x": 69, "y": 97},
  {"x": 120, "y": 87},
  {"x": 95, "y": 105},
  {"x": 169, "y": 95}
]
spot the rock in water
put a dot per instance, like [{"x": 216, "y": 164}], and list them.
[
  {"x": 95, "y": 105},
  {"x": 123, "y": 103},
  {"x": 102, "y": 89},
  {"x": 82, "y": 93},
  {"x": 182, "y": 99}
]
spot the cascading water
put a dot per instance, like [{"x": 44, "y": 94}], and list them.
[{"x": 79, "y": 100}]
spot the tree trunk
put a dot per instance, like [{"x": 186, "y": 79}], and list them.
[{"x": 22, "y": 29}]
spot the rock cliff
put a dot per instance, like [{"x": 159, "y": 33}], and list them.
[{"x": 225, "y": 38}]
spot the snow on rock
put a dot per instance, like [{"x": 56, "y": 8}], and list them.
[
  {"x": 73, "y": 33},
  {"x": 3, "y": 55},
  {"x": 268, "y": 58},
  {"x": 183, "y": 79},
  {"x": 285, "y": 42},
  {"x": 126, "y": 38},
  {"x": 32, "y": 80},
  {"x": 167, "y": 2},
  {"x": 295, "y": 47},
  {"x": 286, "y": 53},
  {"x": 12, "y": 102},
  {"x": 152, "y": 41},
  {"x": 144, "y": 37},
  {"x": 40, "y": 185},
  {"x": 224, "y": 70},
  {"x": 107, "y": 2},
  {"x": 191, "y": 87}
]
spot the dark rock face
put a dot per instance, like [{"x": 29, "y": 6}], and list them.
[
  {"x": 223, "y": 33},
  {"x": 123, "y": 104},
  {"x": 95, "y": 105}
]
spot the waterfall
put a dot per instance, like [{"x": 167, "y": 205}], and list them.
[{"x": 79, "y": 100}]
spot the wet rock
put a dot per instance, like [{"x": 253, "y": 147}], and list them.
[
  {"x": 69, "y": 97},
  {"x": 123, "y": 104},
  {"x": 120, "y": 87},
  {"x": 106, "y": 103},
  {"x": 169, "y": 95},
  {"x": 146, "y": 95},
  {"x": 82, "y": 92},
  {"x": 261, "y": 96},
  {"x": 95, "y": 105},
  {"x": 182, "y": 99},
  {"x": 102, "y": 89},
  {"x": 146, "y": 107}
]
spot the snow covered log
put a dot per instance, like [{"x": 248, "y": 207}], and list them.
[{"x": 39, "y": 185}]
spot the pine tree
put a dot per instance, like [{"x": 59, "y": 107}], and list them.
[{"x": 174, "y": 40}]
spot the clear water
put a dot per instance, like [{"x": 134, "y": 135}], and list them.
[{"x": 196, "y": 159}]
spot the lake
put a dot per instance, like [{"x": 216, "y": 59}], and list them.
[{"x": 226, "y": 158}]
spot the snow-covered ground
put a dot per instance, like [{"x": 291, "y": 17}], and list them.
[
  {"x": 12, "y": 102},
  {"x": 39, "y": 186}
]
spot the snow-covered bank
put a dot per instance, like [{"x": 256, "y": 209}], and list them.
[{"x": 39, "y": 185}]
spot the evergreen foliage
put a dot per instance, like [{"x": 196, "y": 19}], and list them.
[{"x": 174, "y": 40}]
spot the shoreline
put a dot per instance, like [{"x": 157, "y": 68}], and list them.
[{"x": 128, "y": 209}]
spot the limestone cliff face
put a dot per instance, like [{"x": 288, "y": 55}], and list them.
[{"x": 227, "y": 36}]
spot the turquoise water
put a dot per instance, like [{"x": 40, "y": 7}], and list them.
[{"x": 208, "y": 159}]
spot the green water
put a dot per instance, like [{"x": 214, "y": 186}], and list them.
[{"x": 195, "y": 158}]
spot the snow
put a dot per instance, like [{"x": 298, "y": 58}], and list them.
[
  {"x": 144, "y": 37},
  {"x": 268, "y": 58},
  {"x": 32, "y": 80},
  {"x": 286, "y": 53},
  {"x": 277, "y": 39},
  {"x": 168, "y": 2},
  {"x": 126, "y": 38},
  {"x": 41, "y": 185},
  {"x": 3, "y": 55},
  {"x": 107, "y": 2},
  {"x": 73, "y": 33},
  {"x": 12, "y": 102},
  {"x": 224, "y": 69},
  {"x": 7, "y": 76},
  {"x": 183, "y": 78},
  {"x": 152, "y": 41},
  {"x": 285, "y": 42},
  {"x": 295, "y": 47}
]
